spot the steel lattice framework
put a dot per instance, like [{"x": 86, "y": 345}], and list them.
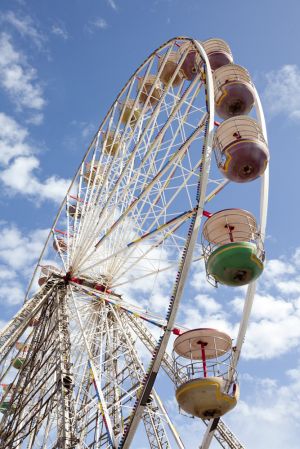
[{"x": 81, "y": 358}]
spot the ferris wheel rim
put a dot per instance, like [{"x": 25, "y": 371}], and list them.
[
  {"x": 207, "y": 148},
  {"x": 251, "y": 290}
]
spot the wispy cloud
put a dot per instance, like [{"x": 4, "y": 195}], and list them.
[
  {"x": 60, "y": 31},
  {"x": 112, "y": 4},
  {"x": 87, "y": 129},
  {"x": 35, "y": 119},
  {"x": 98, "y": 23},
  {"x": 25, "y": 26},
  {"x": 18, "y": 78},
  {"x": 282, "y": 92}
]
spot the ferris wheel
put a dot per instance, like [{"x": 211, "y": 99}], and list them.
[{"x": 83, "y": 362}]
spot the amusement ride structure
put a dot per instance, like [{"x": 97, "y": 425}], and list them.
[{"x": 82, "y": 362}]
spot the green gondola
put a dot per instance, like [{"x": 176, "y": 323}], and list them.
[
  {"x": 6, "y": 407},
  {"x": 18, "y": 362},
  {"x": 235, "y": 264}
]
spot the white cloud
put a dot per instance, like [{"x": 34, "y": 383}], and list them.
[
  {"x": 266, "y": 307},
  {"x": 18, "y": 78},
  {"x": 6, "y": 273},
  {"x": 12, "y": 139},
  {"x": 276, "y": 268},
  {"x": 60, "y": 31},
  {"x": 296, "y": 257},
  {"x": 273, "y": 409},
  {"x": 199, "y": 279},
  {"x": 274, "y": 327},
  {"x": 18, "y": 253},
  {"x": 12, "y": 293},
  {"x": 282, "y": 275},
  {"x": 268, "y": 339},
  {"x": 282, "y": 93},
  {"x": 194, "y": 319},
  {"x": 20, "y": 176},
  {"x": 210, "y": 305},
  {"x": 25, "y": 26},
  {"x": 87, "y": 129},
  {"x": 291, "y": 286}
]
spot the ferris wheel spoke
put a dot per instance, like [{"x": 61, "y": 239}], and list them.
[
  {"x": 155, "y": 143},
  {"x": 184, "y": 180},
  {"x": 144, "y": 255},
  {"x": 155, "y": 319},
  {"x": 172, "y": 224},
  {"x": 154, "y": 273},
  {"x": 176, "y": 157}
]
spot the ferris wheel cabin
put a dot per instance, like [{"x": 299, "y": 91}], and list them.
[
  {"x": 46, "y": 272},
  {"x": 130, "y": 113},
  {"x": 151, "y": 90},
  {"x": 233, "y": 90},
  {"x": 60, "y": 245},
  {"x": 241, "y": 150},
  {"x": 206, "y": 385},
  {"x": 93, "y": 173},
  {"x": 20, "y": 359},
  {"x": 7, "y": 405},
  {"x": 169, "y": 66},
  {"x": 190, "y": 63},
  {"x": 218, "y": 52},
  {"x": 233, "y": 249},
  {"x": 111, "y": 139},
  {"x": 72, "y": 209}
]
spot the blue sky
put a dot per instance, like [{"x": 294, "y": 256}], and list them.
[{"x": 62, "y": 63}]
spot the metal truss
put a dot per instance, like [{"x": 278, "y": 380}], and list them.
[{"x": 52, "y": 408}]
